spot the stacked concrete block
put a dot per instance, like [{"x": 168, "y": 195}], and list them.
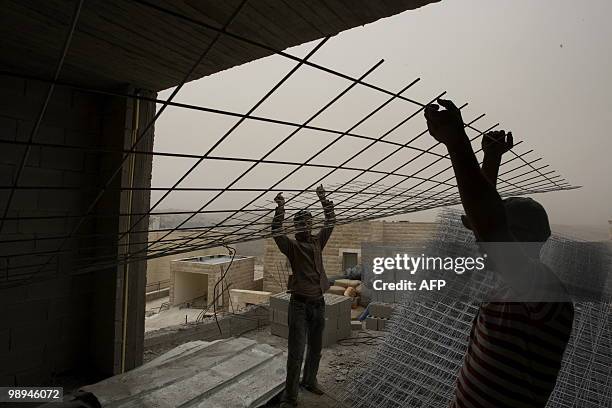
[
  {"x": 381, "y": 310},
  {"x": 371, "y": 323},
  {"x": 380, "y": 313},
  {"x": 240, "y": 298},
  {"x": 337, "y": 317}
]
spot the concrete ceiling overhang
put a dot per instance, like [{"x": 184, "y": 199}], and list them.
[{"x": 119, "y": 42}]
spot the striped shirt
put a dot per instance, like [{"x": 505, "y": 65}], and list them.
[{"x": 514, "y": 355}]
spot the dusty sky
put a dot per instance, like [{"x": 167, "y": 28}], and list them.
[{"x": 540, "y": 68}]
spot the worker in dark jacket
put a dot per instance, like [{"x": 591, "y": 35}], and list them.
[{"x": 307, "y": 284}]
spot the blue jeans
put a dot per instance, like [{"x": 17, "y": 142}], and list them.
[{"x": 306, "y": 324}]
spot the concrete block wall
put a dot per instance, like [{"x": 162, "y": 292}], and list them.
[
  {"x": 232, "y": 325},
  {"x": 401, "y": 232},
  {"x": 158, "y": 269},
  {"x": 240, "y": 298},
  {"x": 47, "y": 321},
  {"x": 239, "y": 276},
  {"x": 344, "y": 237},
  {"x": 276, "y": 268}
]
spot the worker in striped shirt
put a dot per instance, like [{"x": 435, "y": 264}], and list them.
[{"x": 519, "y": 336}]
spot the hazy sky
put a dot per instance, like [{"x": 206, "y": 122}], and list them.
[{"x": 540, "y": 68}]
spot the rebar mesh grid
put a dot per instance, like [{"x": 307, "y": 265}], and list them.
[
  {"x": 403, "y": 171},
  {"x": 417, "y": 363}
]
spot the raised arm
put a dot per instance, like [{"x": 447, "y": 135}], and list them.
[
  {"x": 494, "y": 145},
  {"x": 486, "y": 214},
  {"x": 283, "y": 243},
  {"x": 330, "y": 216},
  {"x": 481, "y": 202}
]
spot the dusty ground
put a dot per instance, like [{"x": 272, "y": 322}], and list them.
[
  {"x": 337, "y": 362},
  {"x": 159, "y": 317},
  {"x": 170, "y": 316}
]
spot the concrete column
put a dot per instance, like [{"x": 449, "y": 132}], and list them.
[{"x": 117, "y": 330}]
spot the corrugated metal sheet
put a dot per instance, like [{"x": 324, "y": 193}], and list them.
[{"x": 229, "y": 373}]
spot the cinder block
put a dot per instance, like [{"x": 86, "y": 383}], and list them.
[
  {"x": 62, "y": 159},
  {"x": 337, "y": 316},
  {"x": 281, "y": 317},
  {"x": 344, "y": 308},
  {"x": 344, "y": 330},
  {"x": 66, "y": 356},
  {"x": 81, "y": 284},
  {"x": 55, "y": 200},
  {"x": 35, "y": 376},
  {"x": 24, "y": 200},
  {"x": 280, "y": 301},
  {"x": 22, "y": 360},
  {"x": 29, "y": 336},
  {"x": 279, "y": 330},
  {"x": 8, "y": 128},
  {"x": 345, "y": 283},
  {"x": 381, "y": 310},
  {"x": 356, "y": 325},
  {"x": 49, "y": 289},
  {"x": 331, "y": 322},
  {"x": 11, "y": 296},
  {"x": 22, "y": 244},
  {"x": 35, "y": 226},
  {"x": 69, "y": 306},
  {"x": 10, "y": 157},
  {"x": 75, "y": 179},
  {"x": 371, "y": 323},
  {"x": 329, "y": 334},
  {"x": 23, "y": 313},
  {"x": 382, "y": 324},
  {"x": 7, "y": 380},
  {"x": 331, "y": 310},
  {"x": 4, "y": 340},
  {"x": 50, "y": 134}
]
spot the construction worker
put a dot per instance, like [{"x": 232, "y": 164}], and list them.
[
  {"x": 307, "y": 284},
  {"x": 518, "y": 338}
]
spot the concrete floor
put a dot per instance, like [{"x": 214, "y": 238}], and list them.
[
  {"x": 337, "y": 363},
  {"x": 171, "y": 317}
]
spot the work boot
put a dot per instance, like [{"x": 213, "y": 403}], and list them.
[{"x": 314, "y": 388}]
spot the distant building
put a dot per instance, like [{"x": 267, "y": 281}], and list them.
[
  {"x": 198, "y": 278},
  {"x": 343, "y": 249},
  {"x": 158, "y": 269}
]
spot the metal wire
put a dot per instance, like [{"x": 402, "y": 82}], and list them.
[
  {"x": 360, "y": 195},
  {"x": 417, "y": 362},
  {"x": 43, "y": 110}
]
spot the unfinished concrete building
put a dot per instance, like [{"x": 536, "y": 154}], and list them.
[
  {"x": 79, "y": 83},
  {"x": 343, "y": 249},
  {"x": 207, "y": 279},
  {"x": 158, "y": 269}
]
